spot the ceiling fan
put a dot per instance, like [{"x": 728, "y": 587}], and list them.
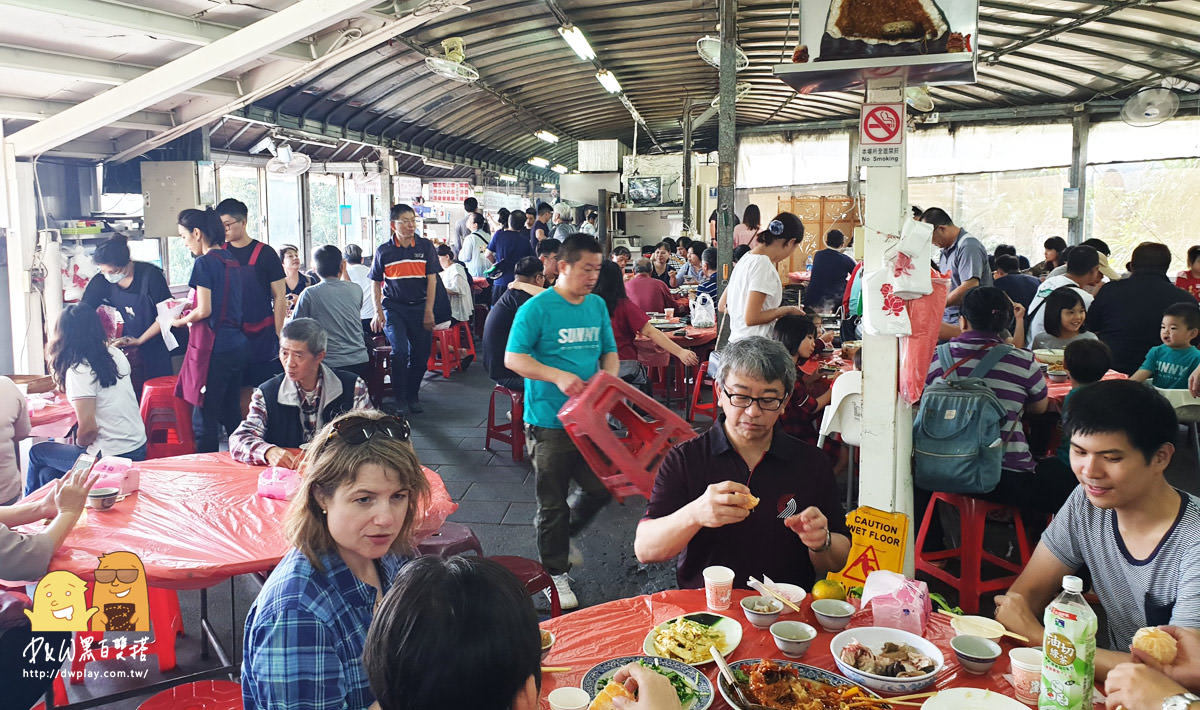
[
  {"x": 451, "y": 65},
  {"x": 284, "y": 160},
  {"x": 709, "y": 48}
]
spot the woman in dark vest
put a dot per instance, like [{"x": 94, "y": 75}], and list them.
[
  {"x": 133, "y": 288},
  {"x": 217, "y": 351}
]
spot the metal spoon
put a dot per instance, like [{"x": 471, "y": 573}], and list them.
[{"x": 743, "y": 701}]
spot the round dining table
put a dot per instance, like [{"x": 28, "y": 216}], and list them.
[{"x": 589, "y": 636}]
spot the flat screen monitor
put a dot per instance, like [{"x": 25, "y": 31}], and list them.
[{"x": 645, "y": 191}]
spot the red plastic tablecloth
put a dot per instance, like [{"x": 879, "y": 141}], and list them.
[
  {"x": 1057, "y": 391},
  {"x": 53, "y": 421},
  {"x": 589, "y": 636},
  {"x": 196, "y": 521}
]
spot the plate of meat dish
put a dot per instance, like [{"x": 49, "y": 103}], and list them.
[
  {"x": 886, "y": 660},
  {"x": 786, "y": 685}
]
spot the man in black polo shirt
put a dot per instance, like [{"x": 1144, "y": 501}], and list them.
[
  {"x": 718, "y": 499},
  {"x": 405, "y": 272},
  {"x": 264, "y": 301},
  {"x": 527, "y": 283},
  {"x": 541, "y": 225}
]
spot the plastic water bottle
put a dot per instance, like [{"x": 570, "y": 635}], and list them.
[
  {"x": 1068, "y": 650},
  {"x": 808, "y": 265}
]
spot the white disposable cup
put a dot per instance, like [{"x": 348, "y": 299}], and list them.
[
  {"x": 718, "y": 587},
  {"x": 1026, "y": 673},
  {"x": 569, "y": 699},
  {"x": 670, "y": 312}
]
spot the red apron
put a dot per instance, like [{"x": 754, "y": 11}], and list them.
[{"x": 193, "y": 374}]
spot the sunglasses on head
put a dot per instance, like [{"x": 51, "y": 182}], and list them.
[{"x": 356, "y": 430}]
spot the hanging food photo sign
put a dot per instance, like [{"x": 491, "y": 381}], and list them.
[{"x": 843, "y": 43}]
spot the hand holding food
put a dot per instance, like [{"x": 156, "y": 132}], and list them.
[
  {"x": 1185, "y": 670},
  {"x": 721, "y": 504},
  {"x": 654, "y": 691},
  {"x": 1156, "y": 644},
  {"x": 811, "y": 525}
]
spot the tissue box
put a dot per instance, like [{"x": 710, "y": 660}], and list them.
[
  {"x": 118, "y": 472},
  {"x": 898, "y": 602},
  {"x": 278, "y": 483}
]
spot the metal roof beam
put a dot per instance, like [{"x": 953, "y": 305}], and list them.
[
  {"x": 98, "y": 71},
  {"x": 232, "y": 50},
  {"x": 39, "y": 109},
  {"x": 1049, "y": 32},
  {"x": 157, "y": 23}
]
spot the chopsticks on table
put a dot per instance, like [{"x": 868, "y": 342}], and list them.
[
  {"x": 866, "y": 701},
  {"x": 1003, "y": 631},
  {"x": 759, "y": 586},
  {"x": 556, "y": 669}
]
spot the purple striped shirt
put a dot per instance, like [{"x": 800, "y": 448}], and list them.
[{"x": 1017, "y": 380}]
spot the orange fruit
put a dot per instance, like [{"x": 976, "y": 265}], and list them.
[{"x": 828, "y": 589}]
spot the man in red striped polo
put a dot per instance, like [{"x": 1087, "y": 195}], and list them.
[{"x": 405, "y": 272}]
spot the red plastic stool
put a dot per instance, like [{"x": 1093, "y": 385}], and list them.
[
  {"x": 513, "y": 432},
  {"x": 443, "y": 357},
  {"x": 533, "y": 576},
  {"x": 696, "y": 406},
  {"x": 201, "y": 695},
  {"x": 450, "y": 539},
  {"x": 465, "y": 340},
  {"x": 626, "y": 465},
  {"x": 166, "y": 623},
  {"x": 973, "y": 514},
  {"x": 168, "y": 419}
]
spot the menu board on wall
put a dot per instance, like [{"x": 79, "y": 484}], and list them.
[
  {"x": 450, "y": 192},
  {"x": 845, "y": 42}
]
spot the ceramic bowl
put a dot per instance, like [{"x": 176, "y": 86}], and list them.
[
  {"x": 832, "y": 614},
  {"x": 761, "y": 612},
  {"x": 874, "y": 637},
  {"x": 547, "y": 642},
  {"x": 1057, "y": 376},
  {"x": 975, "y": 653},
  {"x": 792, "y": 637},
  {"x": 103, "y": 498}
]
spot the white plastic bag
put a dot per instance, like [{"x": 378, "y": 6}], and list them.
[
  {"x": 704, "y": 311},
  {"x": 910, "y": 261},
  {"x": 883, "y": 308}
]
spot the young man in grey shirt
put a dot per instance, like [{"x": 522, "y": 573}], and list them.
[
  {"x": 1137, "y": 535},
  {"x": 337, "y": 305},
  {"x": 962, "y": 255}
]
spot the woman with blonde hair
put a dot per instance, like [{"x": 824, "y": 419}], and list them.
[{"x": 351, "y": 524}]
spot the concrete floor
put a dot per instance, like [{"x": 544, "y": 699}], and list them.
[{"x": 496, "y": 498}]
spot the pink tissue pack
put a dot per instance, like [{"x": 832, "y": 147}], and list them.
[
  {"x": 278, "y": 483},
  {"x": 118, "y": 472},
  {"x": 898, "y": 602}
]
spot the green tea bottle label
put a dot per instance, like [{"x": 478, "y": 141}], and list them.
[{"x": 1069, "y": 651}]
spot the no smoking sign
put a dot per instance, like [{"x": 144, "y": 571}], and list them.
[{"x": 881, "y": 134}]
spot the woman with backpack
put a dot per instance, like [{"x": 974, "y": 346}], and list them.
[{"x": 1016, "y": 381}]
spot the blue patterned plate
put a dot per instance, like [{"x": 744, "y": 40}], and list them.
[
  {"x": 811, "y": 673},
  {"x": 606, "y": 670}
]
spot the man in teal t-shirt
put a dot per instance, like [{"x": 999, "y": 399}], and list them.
[{"x": 559, "y": 339}]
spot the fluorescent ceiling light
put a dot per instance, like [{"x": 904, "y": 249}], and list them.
[
  {"x": 549, "y": 185},
  {"x": 609, "y": 81},
  {"x": 437, "y": 163},
  {"x": 305, "y": 137},
  {"x": 560, "y": 169},
  {"x": 508, "y": 178},
  {"x": 578, "y": 42},
  {"x": 546, "y": 136},
  {"x": 539, "y": 162}
]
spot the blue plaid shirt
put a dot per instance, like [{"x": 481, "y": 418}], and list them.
[{"x": 305, "y": 635}]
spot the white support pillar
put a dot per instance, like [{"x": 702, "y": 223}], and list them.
[
  {"x": 17, "y": 217},
  {"x": 886, "y": 473}
]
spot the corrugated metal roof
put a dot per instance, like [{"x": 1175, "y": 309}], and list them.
[{"x": 1031, "y": 53}]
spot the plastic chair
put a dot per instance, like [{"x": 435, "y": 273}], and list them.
[
  {"x": 465, "y": 340},
  {"x": 533, "y": 576},
  {"x": 969, "y": 582},
  {"x": 380, "y": 371},
  {"x": 201, "y": 695},
  {"x": 450, "y": 539},
  {"x": 627, "y": 464},
  {"x": 166, "y": 622},
  {"x": 695, "y": 406},
  {"x": 443, "y": 357},
  {"x": 1187, "y": 410},
  {"x": 844, "y": 416},
  {"x": 168, "y": 419},
  {"x": 507, "y": 432}
]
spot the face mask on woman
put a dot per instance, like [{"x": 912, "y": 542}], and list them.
[{"x": 115, "y": 277}]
